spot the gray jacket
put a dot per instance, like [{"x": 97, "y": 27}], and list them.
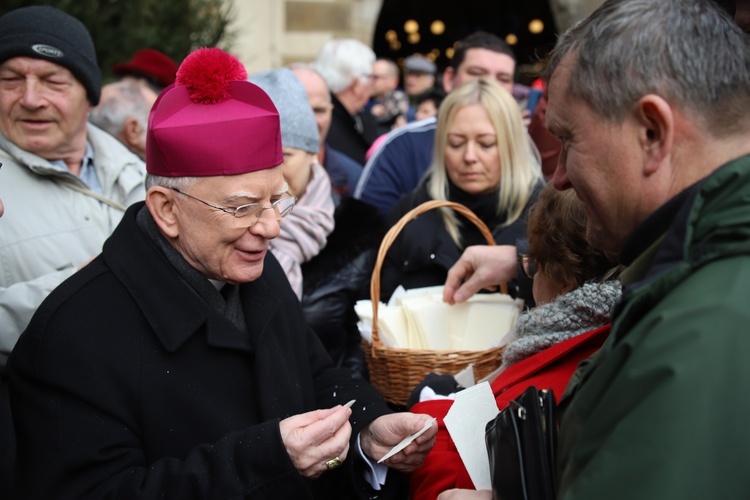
[{"x": 49, "y": 229}]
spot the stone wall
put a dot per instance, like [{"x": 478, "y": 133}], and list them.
[{"x": 272, "y": 33}]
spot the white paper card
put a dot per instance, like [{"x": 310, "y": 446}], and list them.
[
  {"x": 430, "y": 319},
  {"x": 408, "y": 439},
  {"x": 465, "y": 377},
  {"x": 399, "y": 292},
  {"x": 419, "y": 319},
  {"x": 489, "y": 317},
  {"x": 465, "y": 421}
]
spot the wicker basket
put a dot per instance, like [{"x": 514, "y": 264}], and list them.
[{"x": 395, "y": 372}]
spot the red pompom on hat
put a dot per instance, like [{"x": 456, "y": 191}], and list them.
[
  {"x": 207, "y": 75},
  {"x": 212, "y": 121}
]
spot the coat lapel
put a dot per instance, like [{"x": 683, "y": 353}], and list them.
[{"x": 173, "y": 309}]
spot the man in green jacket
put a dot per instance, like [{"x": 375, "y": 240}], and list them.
[{"x": 651, "y": 100}]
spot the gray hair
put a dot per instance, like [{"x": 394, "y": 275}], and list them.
[
  {"x": 689, "y": 52},
  {"x": 125, "y": 101},
  {"x": 343, "y": 60},
  {"x": 181, "y": 183}
]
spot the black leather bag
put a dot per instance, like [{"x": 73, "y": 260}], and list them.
[{"x": 522, "y": 445}]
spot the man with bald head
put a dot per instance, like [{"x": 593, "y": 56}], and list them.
[
  {"x": 388, "y": 103},
  {"x": 343, "y": 171},
  {"x": 123, "y": 112}
]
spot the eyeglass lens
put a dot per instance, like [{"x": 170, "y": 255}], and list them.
[
  {"x": 251, "y": 214},
  {"x": 529, "y": 267}
]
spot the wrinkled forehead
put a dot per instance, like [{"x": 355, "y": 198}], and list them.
[
  {"x": 256, "y": 185},
  {"x": 28, "y": 65}
]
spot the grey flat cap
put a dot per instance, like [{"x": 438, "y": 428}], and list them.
[{"x": 419, "y": 64}]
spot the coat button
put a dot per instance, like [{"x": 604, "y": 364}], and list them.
[
  {"x": 406, "y": 263},
  {"x": 432, "y": 256}
]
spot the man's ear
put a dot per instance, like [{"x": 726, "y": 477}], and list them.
[
  {"x": 132, "y": 132},
  {"x": 656, "y": 122},
  {"x": 160, "y": 202},
  {"x": 448, "y": 75}
]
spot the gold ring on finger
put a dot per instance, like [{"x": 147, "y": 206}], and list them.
[{"x": 333, "y": 463}]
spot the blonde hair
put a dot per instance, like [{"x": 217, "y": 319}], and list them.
[{"x": 520, "y": 170}]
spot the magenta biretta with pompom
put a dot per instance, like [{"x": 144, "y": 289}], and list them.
[{"x": 212, "y": 121}]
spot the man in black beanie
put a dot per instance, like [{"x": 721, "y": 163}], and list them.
[{"x": 66, "y": 180}]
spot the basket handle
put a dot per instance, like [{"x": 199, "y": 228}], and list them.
[{"x": 390, "y": 237}]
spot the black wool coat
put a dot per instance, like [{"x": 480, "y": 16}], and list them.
[
  {"x": 338, "y": 277},
  {"x": 126, "y": 384},
  {"x": 352, "y": 135}
]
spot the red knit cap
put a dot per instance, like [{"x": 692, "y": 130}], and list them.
[{"x": 212, "y": 121}]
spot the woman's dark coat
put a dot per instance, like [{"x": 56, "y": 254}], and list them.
[
  {"x": 338, "y": 277},
  {"x": 127, "y": 385},
  {"x": 423, "y": 252}
]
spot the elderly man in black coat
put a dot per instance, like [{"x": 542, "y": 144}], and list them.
[{"x": 178, "y": 363}]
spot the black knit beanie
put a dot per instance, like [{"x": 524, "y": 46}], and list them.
[{"x": 48, "y": 33}]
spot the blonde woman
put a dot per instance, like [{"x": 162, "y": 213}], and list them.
[{"x": 482, "y": 160}]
